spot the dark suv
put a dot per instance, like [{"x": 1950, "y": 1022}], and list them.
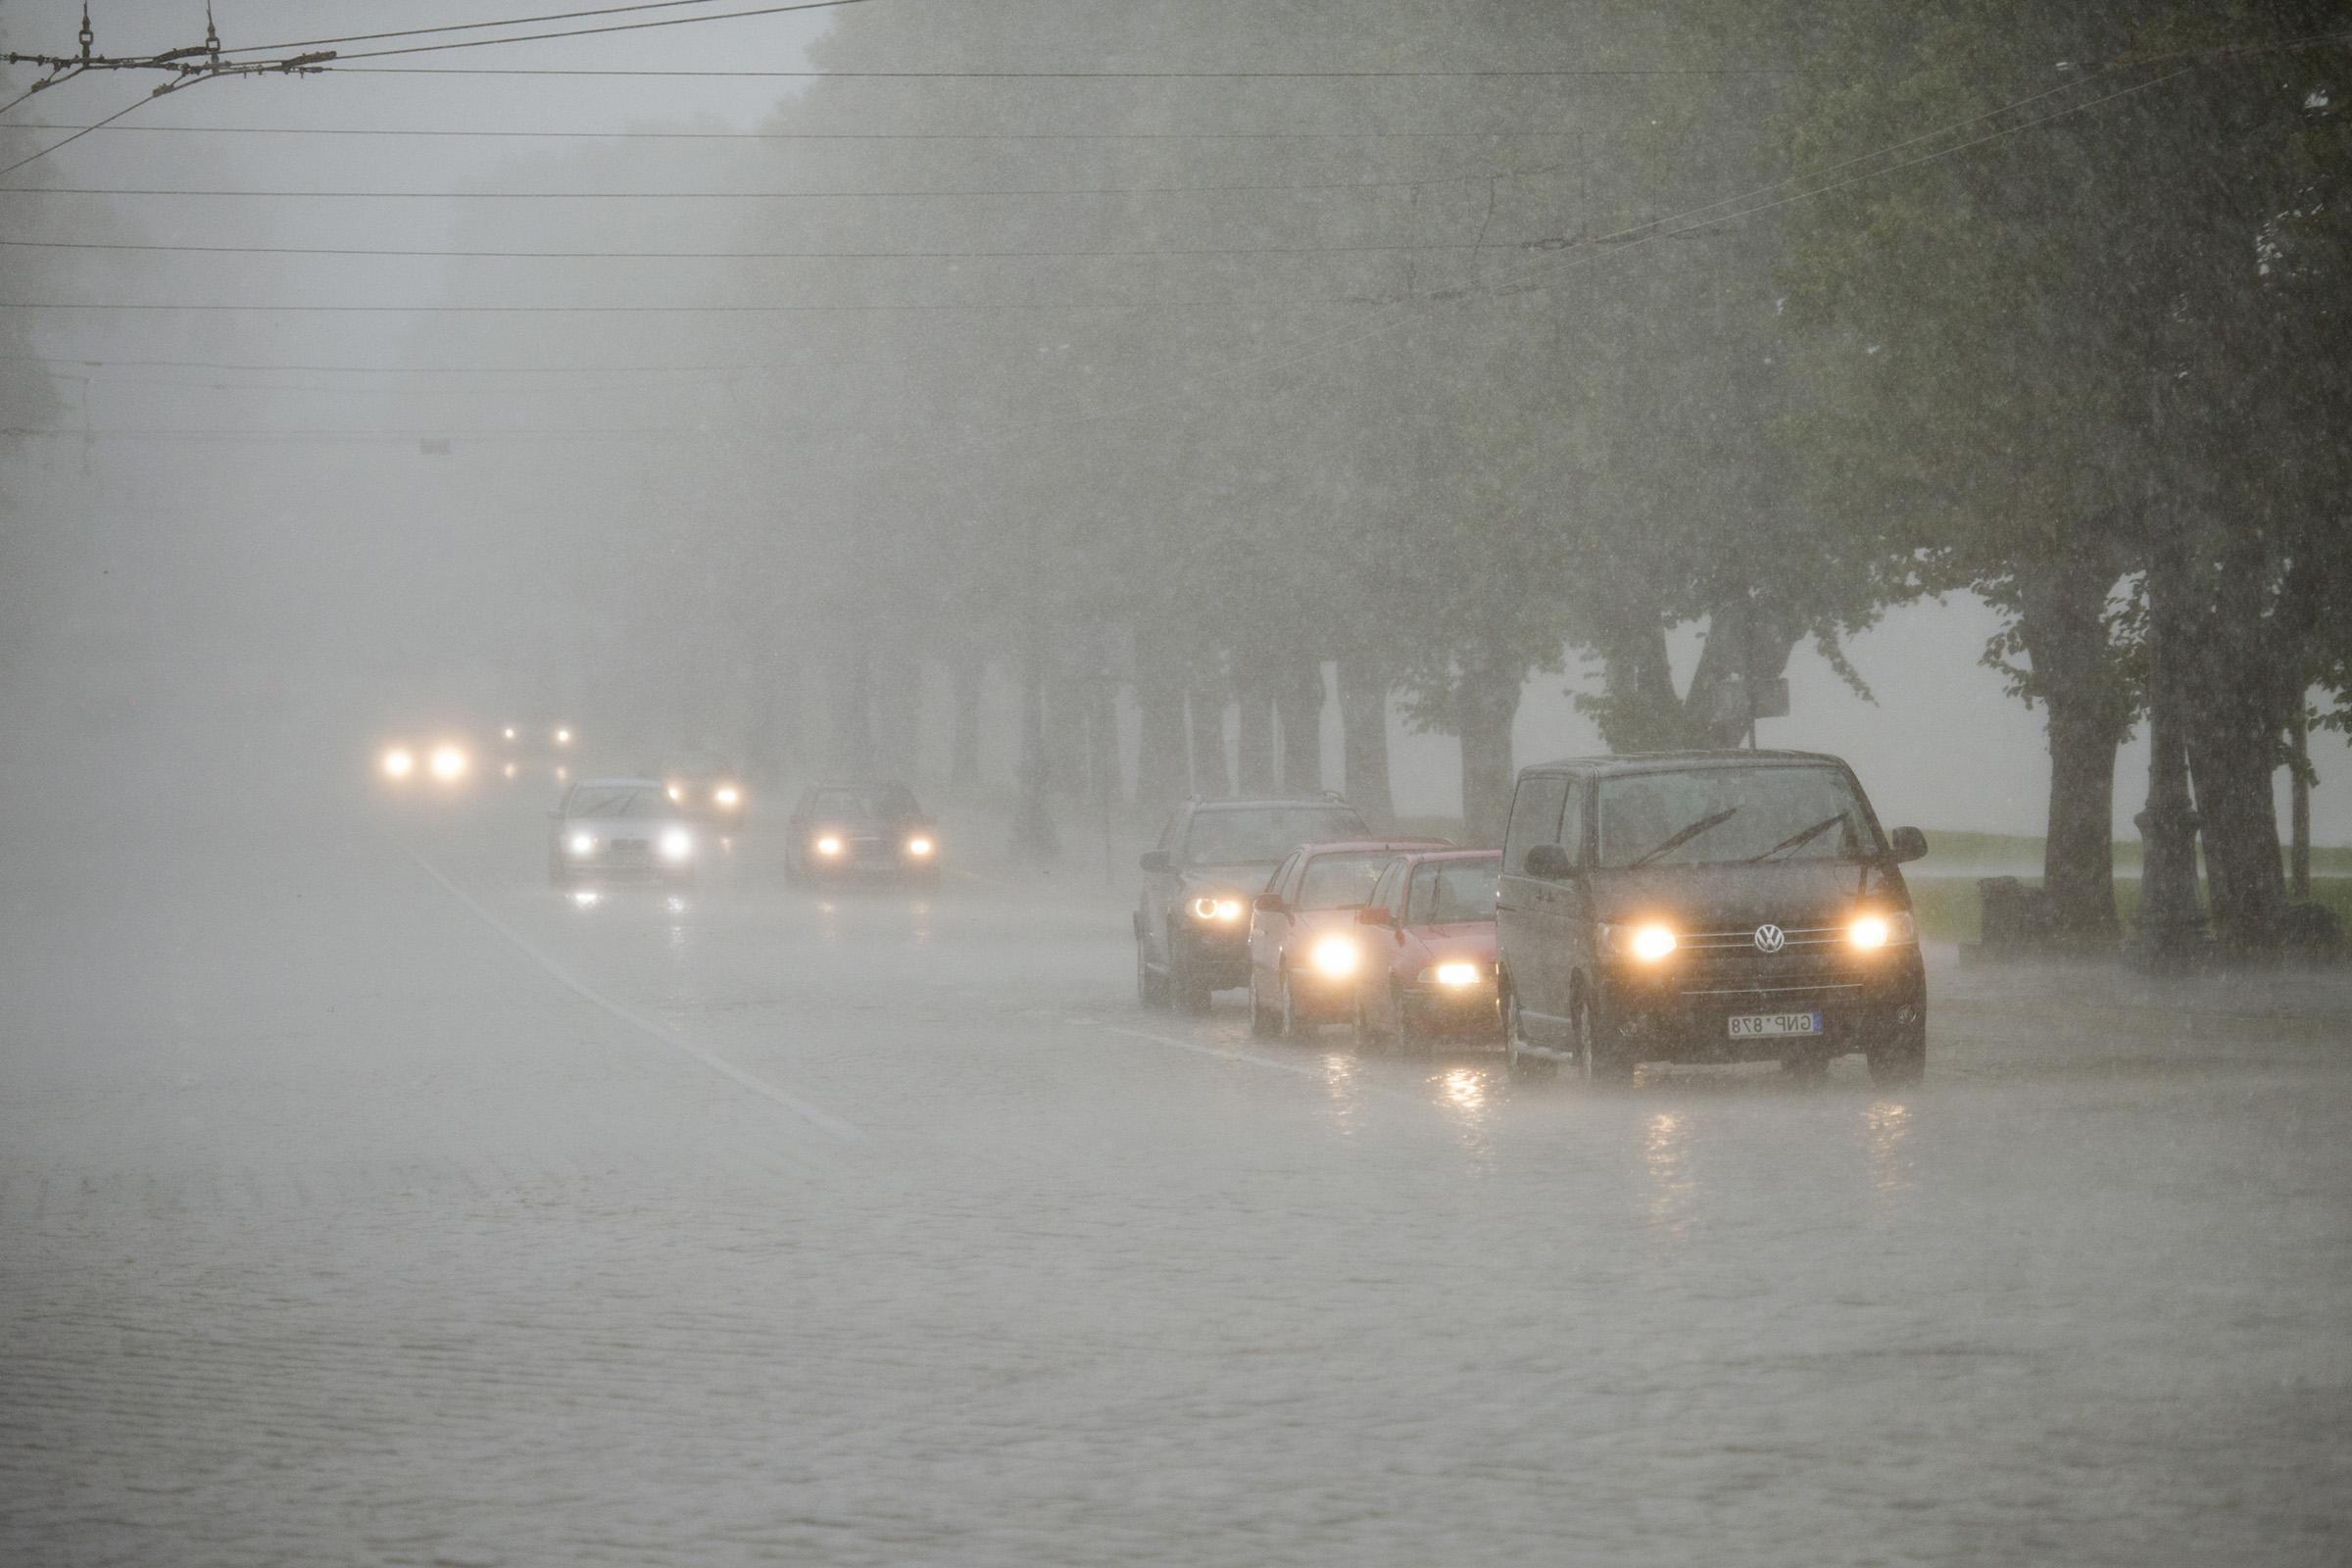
[
  {"x": 1707, "y": 907},
  {"x": 1192, "y": 923}
]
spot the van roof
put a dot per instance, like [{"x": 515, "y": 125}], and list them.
[{"x": 1635, "y": 761}]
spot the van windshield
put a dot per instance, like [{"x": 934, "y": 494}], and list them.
[{"x": 1716, "y": 816}]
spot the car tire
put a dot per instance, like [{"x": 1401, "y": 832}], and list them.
[
  {"x": 1406, "y": 1037},
  {"x": 1151, "y": 987},
  {"x": 1516, "y": 1058},
  {"x": 1264, "y": 1023},
  {"x": 1293, "y": 1027},
  {"x": 1593, "y": 1058},
  {"x": 1367, "y": 1036}
]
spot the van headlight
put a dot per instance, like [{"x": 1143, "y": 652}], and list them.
[
  {"x": 676, "y": 844},
  {"x": 920, "y": 848},
  {"x": 727, "y": 795},
  {"x": 828, "y": 845},
  {"x": 1870, "y": 931},
  {"x": 1649, "y": 942}
]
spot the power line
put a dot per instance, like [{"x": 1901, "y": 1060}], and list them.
[
  {"x": 1569, "y": 73},
  {"x": 692, "y": 309},
  {"x": 828, "y": 136},
  {"x": 462, "y": 27},
  {"x": 587, "y": 33},
  {"x": 762, "y": 256},
  {"x": 778, "y": 195},
  {"x": 67, "y": 141},
  {"x": 390, "y": 369}
]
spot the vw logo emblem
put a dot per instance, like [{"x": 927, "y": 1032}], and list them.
[{"x": 1771, "y": 939}]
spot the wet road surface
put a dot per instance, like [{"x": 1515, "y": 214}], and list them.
[{"x": 364, "y": 1199}]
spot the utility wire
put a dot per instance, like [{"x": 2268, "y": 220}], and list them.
[
  {"x": 832, "y": 136},
  {"x": 460, "y": 27},
  {"x": 774, "y": 195},
  {"x": 1594, "y": 72},
  {"x": 690, "y": 310},
  {"x": 103, "y": 362},
  {"x": 67, "y": 141},
  {"x": 760, "y": 256},
  {"x": 53, "y": 79},
  {"x": 586, "y": 32}
]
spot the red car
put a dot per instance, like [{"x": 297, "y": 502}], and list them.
[
  {"x": 1305, "y": 946},
  {"x": 1427, "y": 935}
]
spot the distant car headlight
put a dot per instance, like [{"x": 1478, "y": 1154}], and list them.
[
  {"x": 581, "y": 844},
  {"x": 563, "y": 736},
  {"x": 1334, "y": 957},
  {"x": 399, "y": 762},
  {"x": 828, "y": 845},
  {"x": 675, "y": 793},
  {"x": 677, "y": 844},
  {"x": 449, "y": 762},
  {"x": 1223, "y": 909},
  {"x": 920, "y": 848},
  {"x": 1649, "y": 943},
  {"x": 727, "y": 795},
  {"x": 510, "y": 770},
  {"x": 1883, "y": 930},
  {"x": 509, "y": 732},
  {"x": 1457, "y": 974}
]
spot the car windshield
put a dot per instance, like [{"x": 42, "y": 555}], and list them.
[
  {"x": 1263, "y": 835},
  {"x": 889, "y": 803},
  {"x": 1451, "y": 892},
  {"x": 1342, "y": 881},
  {"x": 619, "y": 800},
  {"x": 1715, "y": 815}
]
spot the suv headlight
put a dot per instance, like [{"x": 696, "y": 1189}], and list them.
[{"x": 1218, "y": 909}]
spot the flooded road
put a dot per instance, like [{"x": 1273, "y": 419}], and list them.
[{"x": 751, "y": 1224}]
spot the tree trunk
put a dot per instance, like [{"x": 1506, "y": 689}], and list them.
[
  {"x": 852, "y": 738},
  {"x": 1255, "y": 752},
  {"x": 898, "y": 705},
  {"x": 2064, "y": 629},
  {"x": 1212, "y": 777},
  {"x": 1486, "y": 703},
  {"x": 2232, "y": 757},
  {"x": 1364, "y": 740},
  {"x": 971, "y": 679},
  {"x": 1298, "y": 701}
]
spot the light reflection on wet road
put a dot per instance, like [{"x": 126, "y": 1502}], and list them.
[{"x": 448, "y": 1263}]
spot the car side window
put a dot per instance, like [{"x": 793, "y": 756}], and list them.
[
  {"x": 1535, "y": 818},
  {"x": 1285, "y": 879},
  {"x": 1572, "y": 823}
]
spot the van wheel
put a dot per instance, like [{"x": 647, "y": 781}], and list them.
[
  {"x": 1599, "y": 1063},
  {"x": 1514, "y": 1042}
]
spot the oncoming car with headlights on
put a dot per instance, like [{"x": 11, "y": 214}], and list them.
[
  {"x": 706, "y": 789},
  {"x": 1707, "y": 907},
  {"x": 438, "y": 762},
  {"x": 620, "y": 828},
  {"x": 1306, "y": 948},
  {"x": 1191, "y": 918},
  {"x": 844, "y": 832},
  {"x": 1428, "y": 948}
]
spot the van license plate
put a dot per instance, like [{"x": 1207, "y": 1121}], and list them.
[{"x": 1761, "y": 1025}]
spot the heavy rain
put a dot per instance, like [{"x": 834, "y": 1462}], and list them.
[{"x": 1366, "y": 782}]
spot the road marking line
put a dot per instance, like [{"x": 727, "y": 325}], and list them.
[{"x": 816, "y": 1116}]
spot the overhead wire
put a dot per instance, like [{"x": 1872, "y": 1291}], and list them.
[
  {"x": 588, "y": 32},
  {"x": 461, "y": 26},
  {"x": 761, "y": 256},
  {"x": 1034, "y": 191}
]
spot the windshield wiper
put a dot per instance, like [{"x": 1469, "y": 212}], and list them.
[
  {"x": 1807, "y": 837},
  {"x": 1684, "y": 837}
]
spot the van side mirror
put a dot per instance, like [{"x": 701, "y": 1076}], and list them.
[
  {"x": 1154, "y": 860},
  {"x": 1550, "y": 861},
  {"x": 1271, "y": 903},
  {"x": 1374, "y": 914},
  {"x": 1910, "y": 844}
]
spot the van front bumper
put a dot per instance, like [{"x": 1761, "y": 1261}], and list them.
[{"x": 1665, "y": 1018}]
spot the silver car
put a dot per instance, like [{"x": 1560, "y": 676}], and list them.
[{"x": 621, "y": 827}]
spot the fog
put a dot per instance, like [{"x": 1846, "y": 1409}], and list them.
[{"x": 1069, "y": 410}]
